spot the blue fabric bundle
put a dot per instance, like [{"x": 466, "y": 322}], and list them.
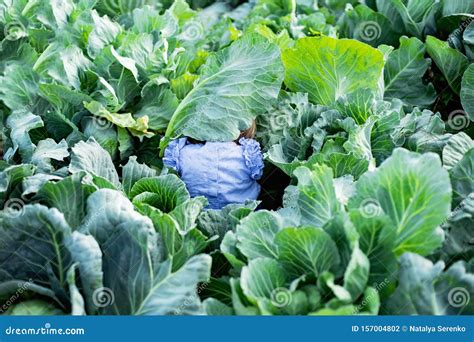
[{"x": 224, "y": 172}]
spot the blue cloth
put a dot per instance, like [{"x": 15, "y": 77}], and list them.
[{"x": 224, "y": 172}]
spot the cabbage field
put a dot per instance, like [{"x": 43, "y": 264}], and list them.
[{"x": 364, "y": 112}]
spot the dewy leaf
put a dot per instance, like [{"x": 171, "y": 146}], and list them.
[
  {"x": 451, "y": 62},
  {"x": 415, "y": 192},
  {"x": 403, "y": 74},
  {"x": 91, "y": 157},
  {"x": 316, "y": 197},
  {"x": 424, "y": 289},
  {"x": 126, "y": 62},
  {"x": 328, "y": 68},
  {"x": 236, "y": 84},
  {"x": 467, "y": 91},
  {"x": 307, "y": 251},
  {"x": 455, "y": 149},
  {"x": 256, "y": 233}
]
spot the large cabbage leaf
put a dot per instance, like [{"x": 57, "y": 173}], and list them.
[
  {"x": 400, "y": 70},
  {"x": 141, "y": 283},
  {"x": 328, "y": 68},
  {"x": 236, "y": 84},
  {"x": 467, "y": 91},
  {"x": 451, "y": 62},
  {"x": 415, "y": 192},
  {"x": 427, "y": 289}
]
